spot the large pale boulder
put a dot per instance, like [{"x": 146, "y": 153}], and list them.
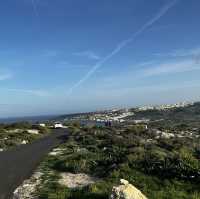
[{"x": 126, "y": 191}]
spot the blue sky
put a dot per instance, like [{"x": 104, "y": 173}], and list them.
[{"x": 68, "y": 56}]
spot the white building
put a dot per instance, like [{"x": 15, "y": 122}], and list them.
[
  {"x": 33, "y": 131},
  {"x": 58, "y": 125},
  {"x": 42, "y": 124}
]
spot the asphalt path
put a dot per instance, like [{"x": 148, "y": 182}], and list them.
[{"x": 19, "y": 164}]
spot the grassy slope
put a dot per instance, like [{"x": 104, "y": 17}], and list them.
[{"x": 160, "y": 170}]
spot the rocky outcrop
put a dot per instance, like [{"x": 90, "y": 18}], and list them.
[
  {"x": 79, "y": 180},
  {"x": 28, "y": 188},
  {"x": 126, "y": 191}
]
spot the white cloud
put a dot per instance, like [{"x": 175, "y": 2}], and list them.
[
  {"x": 149, "y": 69},
  {"x": 88, "y": 54},
  {"x": 35, "y": 9},
  {"x": 5, "y": 76},
  {"x": 171, "y": 67},
  {"x": 66, "y": 64},
  {"x": 50, "y": 53},
  {"x": 181, "y": 53},
  {"x": 39, "y": 93},
  {"x": 176, "y": 61}
]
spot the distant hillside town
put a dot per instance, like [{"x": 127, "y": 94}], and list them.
[{"x": 123, "y": 115}]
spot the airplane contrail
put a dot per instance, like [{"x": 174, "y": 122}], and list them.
[
  {"x": 35, "y": 8},
  {"x": 124, "y": 43}
]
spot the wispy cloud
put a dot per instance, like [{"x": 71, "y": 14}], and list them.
[
  {"x": 176, "y": 61},
  {"x": 88, "y": 54},
  {"x": 39, "y": 93},
  {"x": 181, "y": 53},
  {"x": 34, "y": 4},
  {"x": 67, "y": 64},
  {"x": 151, "y": 69},
  {"x": 170, "y": 67},
  {"x": 50, "y": 53},
  {"x": 124, "y": 43},
  {"x": 5, "y": 76}
]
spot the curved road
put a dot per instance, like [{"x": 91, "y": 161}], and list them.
[{"x": 19, "y": 164}]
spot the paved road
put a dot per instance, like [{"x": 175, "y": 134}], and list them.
[{"x": 18, "y": 164}]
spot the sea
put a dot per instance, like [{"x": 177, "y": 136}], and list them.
[{"x": 31, "y": 119}]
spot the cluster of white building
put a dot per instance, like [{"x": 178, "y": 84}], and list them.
[
  {"x": 166, "y": 106},
  {"x": 56, "y": 125},
  {"x": 112, "y": 116}
]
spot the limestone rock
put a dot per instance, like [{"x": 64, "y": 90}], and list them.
[
  {"x": 126, "y": 191},
  {"x": 28, "y": 188},
  {"x": 79, "y": 180}
]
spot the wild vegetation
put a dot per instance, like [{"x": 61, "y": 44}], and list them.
[
  {"x": 12, "y": 135},
  {"x": 161, "y": 168}
]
